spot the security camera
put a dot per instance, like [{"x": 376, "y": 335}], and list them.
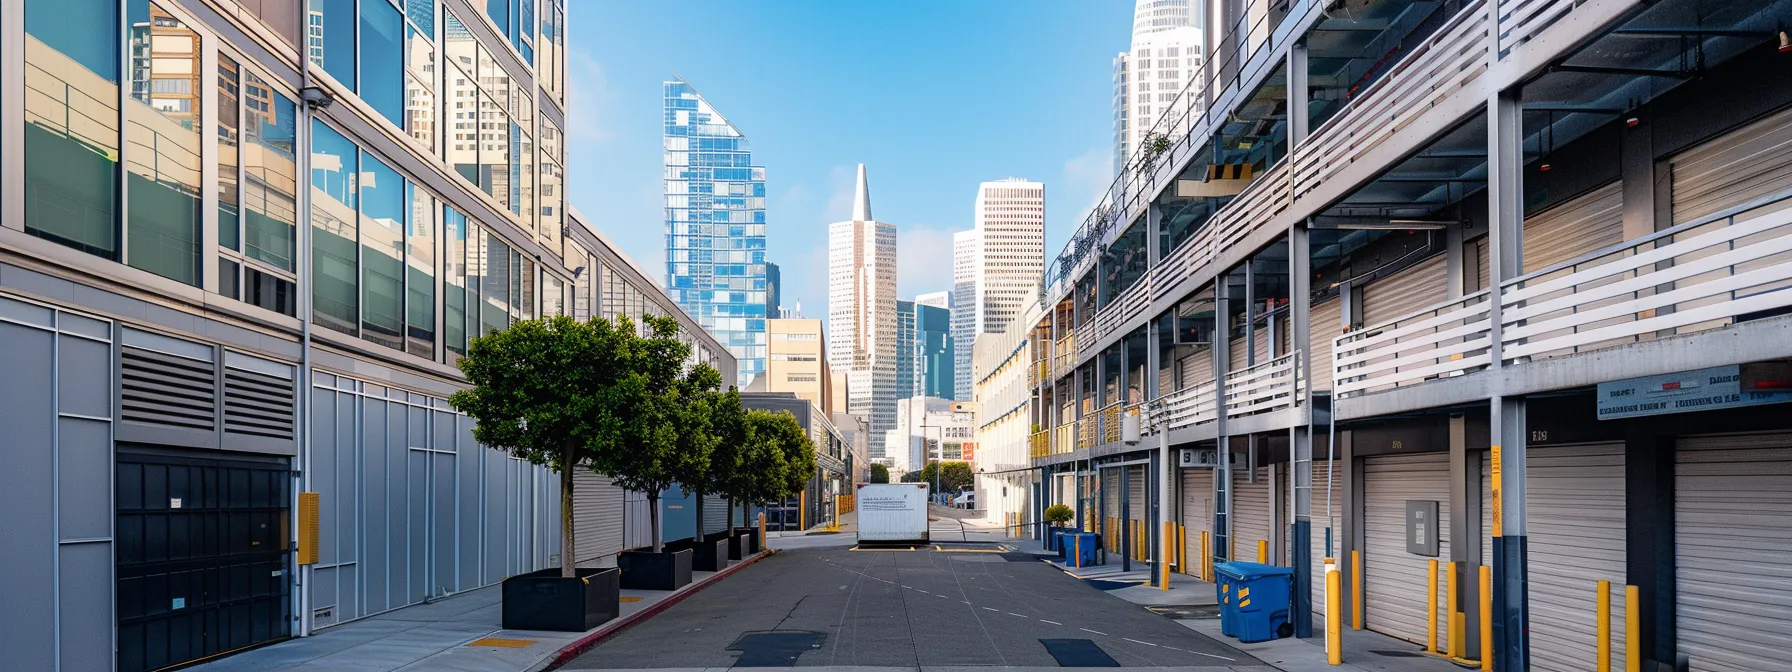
[{"x": 316, "y": 97}]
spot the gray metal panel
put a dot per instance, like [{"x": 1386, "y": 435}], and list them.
[
  {"x": 470, "y": 461},
  {"x": 1394, "y": 580},
  {"x": 1575, "y": 520},
  {"x": 1749, "y": 163},
  {"x": 637, "y": 524},
  {"x": 396, "y": 492},
  {"x": 1409, "y": 289},
  {"x": 1591, "y": 221},
  {"x": 1252, "y": 520},
  {"x": 84, "y": 495},
  {"x": 416, "y": 559},
  {"x": 25, "y": 493},
  {"x": 348, "y": 508},
  {"x": 443, "y": 578},
  {"x": 494, "y": 529},
  {"x": 377, "y": 533},
  {"x": 84, "y": 377},
  {"x": 715, "y": 514},
  {"x": 85, "y": 603},
  {"x": 1317, "y": 550},
  {"x": 1197, "y": 510},
  {"x": 1732, "y": 535},
  {"x": 597, "y": 516},
  {"x": 1322, "y": 327}
]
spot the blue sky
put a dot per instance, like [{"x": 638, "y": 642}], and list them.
[{"x": 934, "y": 96}]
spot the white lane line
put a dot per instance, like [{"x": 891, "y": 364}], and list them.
[
  {"x": 965, "y": 601},
  {"x": 1137, "y": 641},
  {"x": 943, "y": 597},
  {"x": 1209, "y": 655},
  {"x": 1051, "y": 622},
  {"x": 991, "y": 609},
  {"x": 1015, "y": 614},
  {"x": 1098, "y": 632}
]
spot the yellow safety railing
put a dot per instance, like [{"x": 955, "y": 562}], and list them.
[{"x": 1039, "y": 444}]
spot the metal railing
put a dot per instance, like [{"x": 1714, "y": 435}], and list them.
[
  {"x": 1110, "y": 422},
  {"x": 1444, "y": 340},
  {"x": 1270, "y": 386},
  {"x": 1039, "y": 444},
  {"x": 1064, "y": 438},
  {"x": 1188, "y": 407},
  {"x": 1521, "y": 20}
]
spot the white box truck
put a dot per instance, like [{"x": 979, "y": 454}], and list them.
[{"x": 891, "y": 513}]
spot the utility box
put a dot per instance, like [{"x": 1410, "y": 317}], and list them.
[{"x": 891, "y": 513}]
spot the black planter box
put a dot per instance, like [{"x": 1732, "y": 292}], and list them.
[
  {"x": 752, "y": 541},
  {"x": 646, "y": 570},
  {"x": 710, "y": 556},
  {"x": 736, "y": 543},
  {"x": 543, "y": 600}
]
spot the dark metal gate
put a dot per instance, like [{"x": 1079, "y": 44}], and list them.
[{"x": 203, "y": 556}]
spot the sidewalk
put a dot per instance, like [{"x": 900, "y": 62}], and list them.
[{"x": 461, "y": 633}]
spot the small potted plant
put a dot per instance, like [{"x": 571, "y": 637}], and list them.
[{"x": 1057, "y": 515}]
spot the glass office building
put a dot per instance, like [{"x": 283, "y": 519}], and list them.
[{"x": 715, "y": 226}]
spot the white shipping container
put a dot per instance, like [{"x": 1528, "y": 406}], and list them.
[{"x": 892, "y": 512}]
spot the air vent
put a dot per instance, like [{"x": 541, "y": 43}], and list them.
[
  {"x": 161, "y": 389},
  {"x": 257, "y": 404}
]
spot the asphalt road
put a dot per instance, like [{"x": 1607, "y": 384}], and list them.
[{"x": 832, "y": 606}]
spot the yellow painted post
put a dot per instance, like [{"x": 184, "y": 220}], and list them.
[
  {"x": 762, "y": 529},
  {"x": 1163, "y": 560},
  {"x": 1262, "y": 551},
  {"x": 1453, "y": 626},
  {"x": 1077, "y": 551},
  {"x": 1182, "y": 549},
  {"x": 802, "y": 510},
  {"x": 1431, "y": 607},
  {"x": 1206, "y": 557},
  {"x": 1486, "y": 618},
  {"x": 1602, "y": 626},
  {"x": 1334, "y": 624},
  {"x": 1356, "y": 590},
  {"x": 1633, "y": 630}
]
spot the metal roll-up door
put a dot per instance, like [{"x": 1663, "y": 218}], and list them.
[
  {"x": 1110, "y": 503},
  {"x": 1575, "y": 522},
  {"x": 1394, "y": 580},
  {"x": 1732, "y": 535},
  {"x": 1316, "y": 543},
  {"x": 1591, "y": 221},
  {"x": 1250, "y": 503},
  {"x": 1197, "y": 368},
  {"x": 1138, "y": 511},
  {"x": 1412, "y": 288},
  {"x": 1197, "y": 511},
  {"x": 1236, "y": 353},
  {"x": 1483, "y": 272},
  {"x": 1748, "y": 163},
  {"x": 597, "y": 514},
  {"x": 1322, "y": 327},
  {"x": 715, "y": 514}
]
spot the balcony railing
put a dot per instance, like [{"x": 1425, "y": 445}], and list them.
[
  {"x": 1185, "y": 408},
  {"x": 1270, "y": 386},
  {"x": 1088, "y": 431},
  {"x": 1064, "y": 355},
  {"x": 1704, "y": 274},
  {"x": 1521, "y": 20},
  {"x": 1039, "y": 444},
  {"x": 1110, "y": 422},
  {"x": 1064, "y": 438},
  {"x": 1444, "y": 340}
]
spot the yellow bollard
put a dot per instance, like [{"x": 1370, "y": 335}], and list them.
[
  {"x": 1356, "y": 590},
  {"x": 1182, "y": 549},
  {"x": 1334, "y": 624},
  {"x": 1262, "y": 551},
  {"x": 1453, "y": 626},
  {"x": 1431, "y": 607},
  {"x": 1164, "y": 559},
  {"x": 1486, "y": 618},
  {"x": 1602, "y": 626},
  {"x": 1633, "y": 630},
  {"x": 762, "y": 529},
  {"x": 1206, "y": 557},
  {"x": 1077, "y": 551}
]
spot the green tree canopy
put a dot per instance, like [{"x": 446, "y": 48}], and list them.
[
  {"x": 956, "y": 476},
  {"x": 880, "y": 473},
  {"x": 782, "y": 434}
]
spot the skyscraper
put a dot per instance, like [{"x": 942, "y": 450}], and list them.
[
  {"x": 996, "y": 266},
  {"x": 862, "y": 310},
  {"x": 774, "y": 285},
  {"x": 1166, "y": 52},
  {"x": 905, "y": 347},
  {"x": 934, "y": 365},
  {"x": 715, "y": 225}
]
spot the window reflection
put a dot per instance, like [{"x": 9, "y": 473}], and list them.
[
  {"x": 420, "y": 273},
  {"x": 494, "y": 151},
  {"x": 454, "y": 281},
  {"x": 335, "y": 303},
  {"x": 382, "y": 60},
  {"x": 330, "y": 38},
  {"x": 229, "y": 151},
  {"x": 494, "y": 285},
  {"x": 420, "y": 95},
  {"x": 71, "y": 123},
  {"x": 382, "y": 252},
  {"x": 270, "y": 173},
  {"x": 164, "y": 152}
]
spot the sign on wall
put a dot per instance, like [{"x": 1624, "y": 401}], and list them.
[
  {"x": 1421, "y": 527},
  {"x": 1698, "y": 390}
]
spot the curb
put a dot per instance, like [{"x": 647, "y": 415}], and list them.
[{"x": 586, "y": 643}]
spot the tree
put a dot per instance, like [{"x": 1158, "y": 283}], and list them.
[
  {"x": 760, "y": 479},
  {"x": 653, "y": 453},
  {"x": 783, "y": 435},
  {"x": 551, "y": 392},
  {"x": 725, "y": 475},
  {"x": 1058, "y": 514},
  {"x": 955, "y": 477},
  {"x": 912, "y": 477},
  {"x": 880, "y": 473}
]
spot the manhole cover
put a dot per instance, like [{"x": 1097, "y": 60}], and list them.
[{"x": 775, "y": 649}]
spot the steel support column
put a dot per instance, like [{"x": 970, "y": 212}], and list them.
[
  {"x": 1511, "y": 625},
  {"x": 1465, "y": 529},
  {"x": 1222, "y": 472},
  {"x": 1300, "y": 438}
]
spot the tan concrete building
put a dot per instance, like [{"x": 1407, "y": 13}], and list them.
[{"x": 796, "y": 361}]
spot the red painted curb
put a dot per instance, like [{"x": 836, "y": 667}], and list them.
[{"x": 583, "y": 644}]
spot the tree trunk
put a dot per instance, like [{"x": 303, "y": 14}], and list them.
[
  {"x": 698, "y": 495},
  {"x": 730, "y": 510},
  {"x": 568, "y": 562},
  {"x": 653, "y": 517}
]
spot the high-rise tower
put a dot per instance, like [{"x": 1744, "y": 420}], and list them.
[
  {"x": 996, "y": 266},
  {"x": 862, "y": 310},
  {"x": 1166, "y": 52},
  {"x": 715, "y": 225}
]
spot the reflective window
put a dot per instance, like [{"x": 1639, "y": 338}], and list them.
[
  {"x": 382, "y": 59},
  {"x": 494, "y": 151},
  {"x": 454, "y": 281},
  {"x": 553, "y": 295},
  {"x": 523, "y": 172},
  {"x": 330, "y": 34},
  {"x": 499, "y": 11},
  {"x": 422, "y": 14},
  {"x": 552, "y": 222},
  {"x": 229, "y": 153},
  {"x": 420, "y": 94},
  {"x": 163, "y": 155},
  {"x": 420, "y": 274},
  {"x": 270, "y": 173},
  {"x": 335, "y": 302},
  {"x": 382, "y": 253},
  {"x": 494, "y": 285},
  {"x": 71, "y": 123}
]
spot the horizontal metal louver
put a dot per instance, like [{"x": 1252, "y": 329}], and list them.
[
  {"x": 258, "y": 404},
  {"x": 162, "y": 389},
  {"x": 1591, "y": 221}
]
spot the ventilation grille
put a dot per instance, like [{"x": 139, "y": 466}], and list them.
[
  {"x": 170, "y": 391},
  {"x": 257, "y": 404}
]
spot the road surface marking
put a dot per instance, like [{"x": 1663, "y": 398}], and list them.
[
  {"x": 1209, "y": 655},
  {"x": 1098, "y": 632},
  {"x": 1051, "y": 622},
  {"x": 1137, "y": 641}
]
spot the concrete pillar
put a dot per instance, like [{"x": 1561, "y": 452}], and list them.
[
  {"x": 1649, "y": 530},
  {"x": 1465, "y": 527},
  {"x": 1222, "y": 473},
  {"x": 1511, "y": 627}
]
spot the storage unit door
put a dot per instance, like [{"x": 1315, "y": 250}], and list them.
[
  {"x": 1752, "y": 162},
  {"x": 1317, "y": 549},
  {"x": 1420, "y": 285},
  {"x": 1732, "y": 538},
  {"x": 201, "y": 558},
  {"x": 1197, "y": 511},
  {"x": 1139, "y": 512},
  {"x": 1394, "y": 580},
  {"x": 1588, "y": 222},
  {"x": 1575, "y": 520},
  {"x": 1110, "y": 511},
  {"x": 715, "y": 514},
  {"x": 1197, "y": 368},
  {"x": 597, "y": 517},
  {"x": 1322, "y": 327},
  {"x": 1252, "y": 523}
]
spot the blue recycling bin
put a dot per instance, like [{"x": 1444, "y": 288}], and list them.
[
  {"x": 1255, "y": 600},
  {"x": 1056, "y": 535},
  {"x": 1081, "y": 548}
]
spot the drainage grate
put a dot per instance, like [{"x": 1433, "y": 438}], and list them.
[
  {"x": 775, "y": 649},
  {"x": 1078, "y": 653}
]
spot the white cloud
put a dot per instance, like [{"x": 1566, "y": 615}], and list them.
[
  {"x": 923, "y": 260},
  {"x": 591, "y": 97}
]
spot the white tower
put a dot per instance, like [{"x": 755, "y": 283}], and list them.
[
  {"x": 996, "y": 266},
  {"x": 862, "y": 310},
  {"x": 1166, "y": 53}
]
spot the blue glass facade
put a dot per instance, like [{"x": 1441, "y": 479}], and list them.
[
  {"x": 934, "y": 365},
  {"x": 905, "y": 350},
  {"x": 715, "y": 226}
]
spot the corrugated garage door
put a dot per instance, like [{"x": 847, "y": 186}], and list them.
[
  {"x": 1749, "y": 163},
  {"x": 1136, "y": 482},
  {"x": 1591, "y": 221},
  {"x": 1322, "y": 327},
  {"x": 1732, "y": 538},
  {"x": 1197, "y": 368},
  {"x": 1394, "y": 580},
  {"x": 1418, "y": 286},
  {"x": 1197, "y": 511},
  {"x": 1251, "y": 501},
  {"x": 1575, "y": 516},
  {"x": 597, "y": 511},
  {"x": 715, "y": 514},
  {"x": 1317, "y": 548}
]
